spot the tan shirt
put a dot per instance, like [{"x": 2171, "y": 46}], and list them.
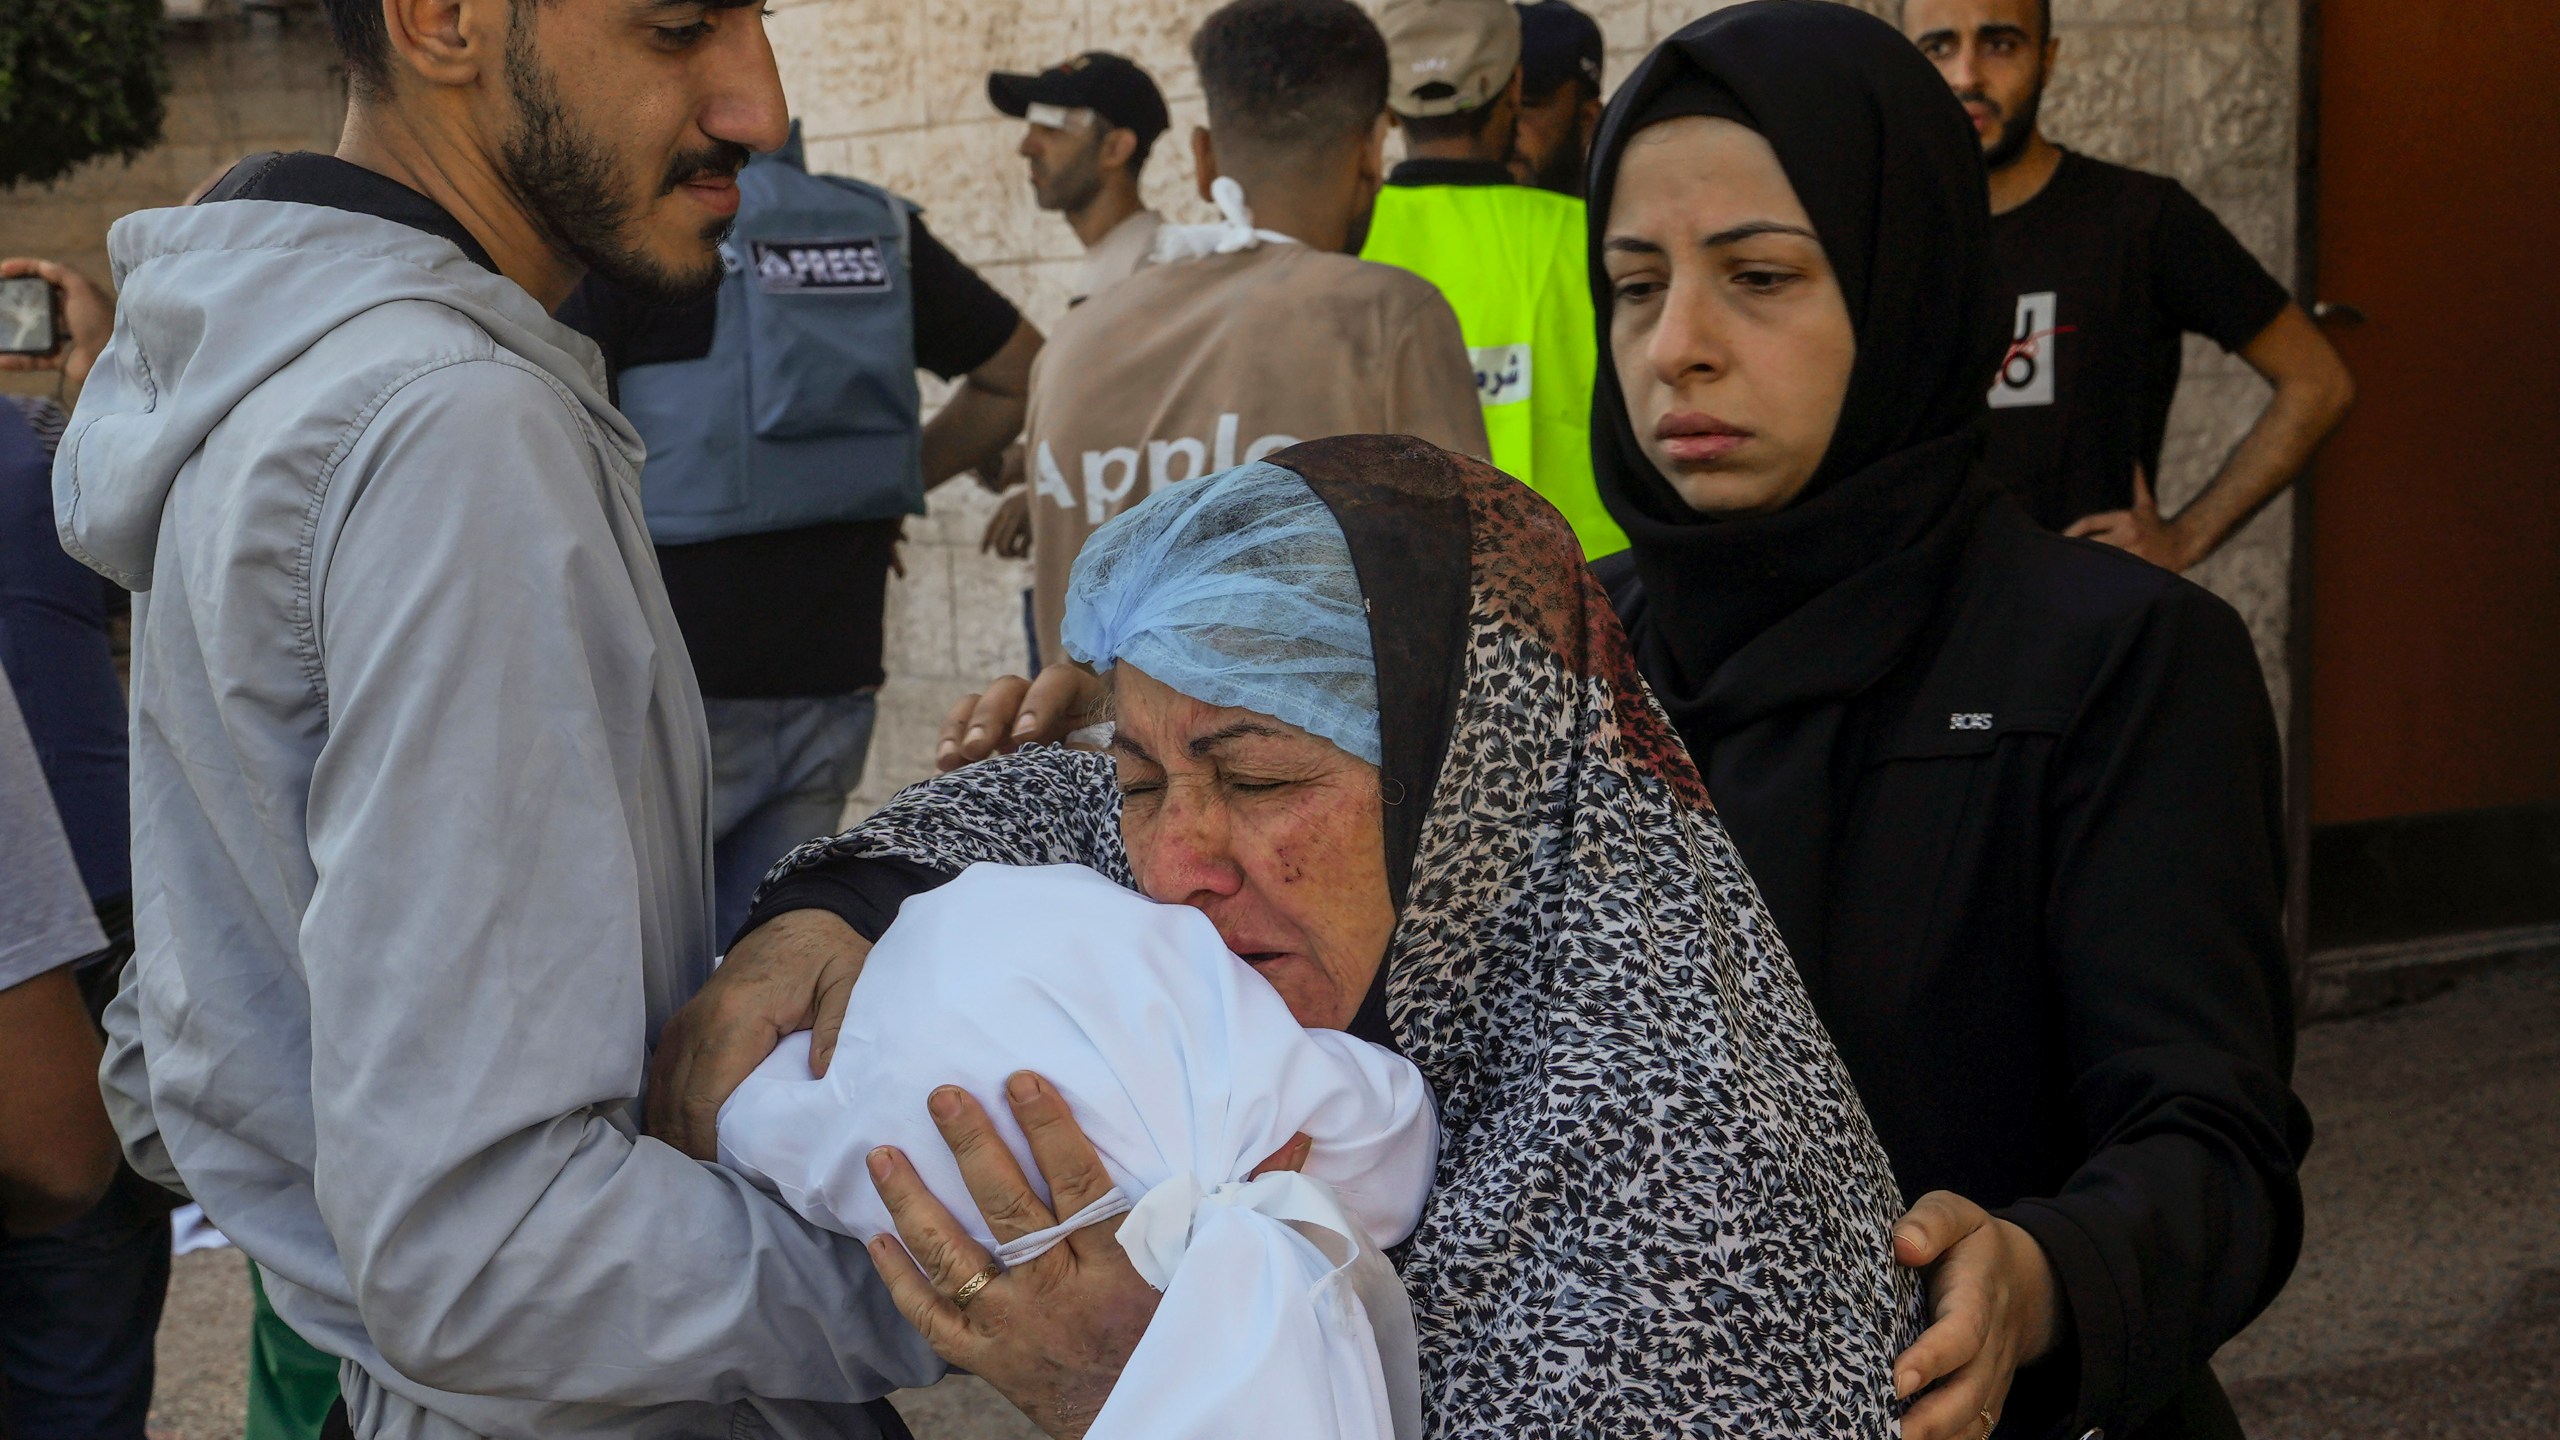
[
  {"x": 1117, "y": 255},
  {"x": 1193, "y": 366}
]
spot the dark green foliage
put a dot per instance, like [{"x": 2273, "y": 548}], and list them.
[{"x": 78, "y": 79}]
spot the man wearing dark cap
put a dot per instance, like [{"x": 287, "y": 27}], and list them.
[
  {"x": 1092, "y": 121},
  {"x": 1508, "y": 257},
  {"x": 1560, "y": 53}
]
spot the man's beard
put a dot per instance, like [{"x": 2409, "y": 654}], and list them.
[
  {"x": 566, "y": 182},
  {"x": 2015, "y": 130},
  {"x": 1076, "y": 184},
  {"x": 1560, "y": 169}
]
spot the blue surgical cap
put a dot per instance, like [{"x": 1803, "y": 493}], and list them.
[{"x": 1235, "y": 589}]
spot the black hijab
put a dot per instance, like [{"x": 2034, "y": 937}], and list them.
[{"x": 1758, "y": 632}]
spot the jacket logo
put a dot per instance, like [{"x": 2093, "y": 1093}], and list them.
[
  {"x": 1502, "y": 374},
  {"x": 786, "y": 267},
  {"x": 1969, "y": 720}
]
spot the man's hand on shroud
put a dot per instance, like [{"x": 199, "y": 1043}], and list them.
[{"x": 794, "y": 972}]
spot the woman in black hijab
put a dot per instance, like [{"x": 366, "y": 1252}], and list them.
[{"x": 2013, "y": 799}]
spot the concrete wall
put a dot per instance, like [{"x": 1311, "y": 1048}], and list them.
[{"x": 894, "y": 90}]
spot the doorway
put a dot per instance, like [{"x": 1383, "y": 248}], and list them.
[{"x": 2433, "y": 537}]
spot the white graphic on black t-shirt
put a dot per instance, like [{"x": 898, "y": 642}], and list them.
[{"x": 2026, "y": 372}]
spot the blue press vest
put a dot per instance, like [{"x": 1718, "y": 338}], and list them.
[{"x": 805, "y": 411}]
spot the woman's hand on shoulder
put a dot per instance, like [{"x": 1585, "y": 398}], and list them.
[
  {"x": 1013, "y": 712},
  {"x": 1994, "y": 1305}
]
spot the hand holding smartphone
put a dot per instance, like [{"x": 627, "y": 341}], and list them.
[
  {"x": 52, "y": 317},
  {"x": 30, "y": 311}
]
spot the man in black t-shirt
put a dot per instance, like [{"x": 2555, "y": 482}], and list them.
[
  {"x": 2111, "y": 267},
  {"x": 785, "y": 626}
]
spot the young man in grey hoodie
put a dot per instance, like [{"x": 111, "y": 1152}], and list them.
[{"x": 419, "y": 767}]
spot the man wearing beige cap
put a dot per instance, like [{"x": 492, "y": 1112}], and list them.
[{"x": 1509, "y": 258}]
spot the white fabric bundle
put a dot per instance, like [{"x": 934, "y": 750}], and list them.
[{"x": 1185, "y": 1069}]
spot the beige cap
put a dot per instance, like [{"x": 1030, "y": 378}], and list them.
[{"x": 1445, "y": 56}]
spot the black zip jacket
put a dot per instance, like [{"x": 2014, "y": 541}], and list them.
[{"x": 2051, "y": 949}]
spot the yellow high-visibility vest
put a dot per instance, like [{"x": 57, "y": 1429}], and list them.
[{"x": 1509, "y": 258}]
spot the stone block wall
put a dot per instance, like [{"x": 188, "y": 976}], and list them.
[{"x": 894, "y": 91}]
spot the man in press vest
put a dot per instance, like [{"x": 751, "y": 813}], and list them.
[
  {"x": 786, "y": 450},
  {"x": 1510, "y": 258}
]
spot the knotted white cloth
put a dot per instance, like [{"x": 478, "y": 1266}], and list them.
[
  {"x": 1185, "y": 1068},
  {"x": 1233, "y": 232}
]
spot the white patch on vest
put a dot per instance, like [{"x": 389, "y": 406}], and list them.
[
  {"x": 1099, "y": 494},
  {"x": 789, "y": 266},
  {"x": 1045, "y": 479},
  {"x": 2026, "y": 372},
  {"x": 1969, "y": 720},
  {"x": 1502, "y": 374}
]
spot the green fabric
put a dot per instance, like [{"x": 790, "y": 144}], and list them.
[
  {"x": 292, "y": 1383},
  {"x": 1510, "y": 260}
]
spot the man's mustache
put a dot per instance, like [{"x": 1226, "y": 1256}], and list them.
[
  {"x": 723, "y": 158},
  {"x": 1976, "y": 97}
]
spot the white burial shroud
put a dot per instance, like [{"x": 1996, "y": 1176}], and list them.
[{"x": 1185, "y": 1068}]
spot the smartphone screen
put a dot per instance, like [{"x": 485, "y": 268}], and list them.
[{"x": 26, "y": 316}]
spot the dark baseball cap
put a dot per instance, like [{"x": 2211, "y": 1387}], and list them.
[
  {"x": 1557, "y": 43},
  {"x": 1111, "y": 86}
]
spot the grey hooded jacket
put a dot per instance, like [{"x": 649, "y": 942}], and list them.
[{"x": 420, "y": 839}]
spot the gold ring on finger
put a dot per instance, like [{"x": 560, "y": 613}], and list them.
[
  {"x": 1990, "y": 1422},
  {"x": 969, "y": 1288}
]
